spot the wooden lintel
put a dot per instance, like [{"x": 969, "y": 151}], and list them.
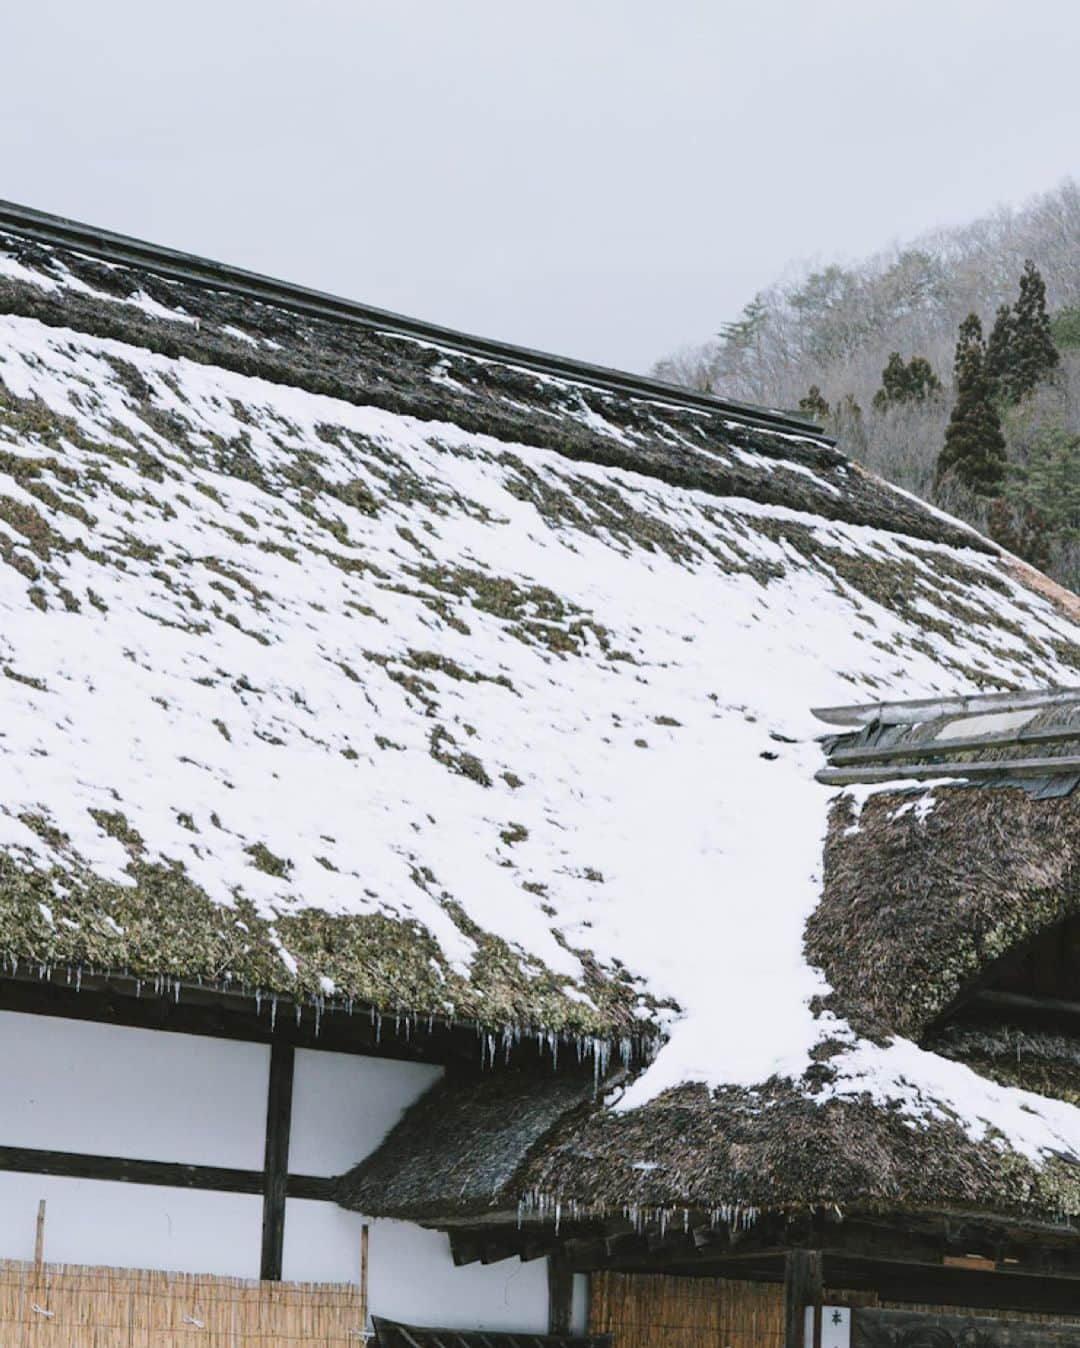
[{"x": 944, "y": 1285}]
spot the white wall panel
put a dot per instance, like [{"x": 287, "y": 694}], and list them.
[
  {"x": 579, "y": 1305},
  {"x": 344, "y": 1105},
  {"x": 411, "y": 1275},
  {"x": 131, "y": 1225},
  {"x": 72, "y": 1085}
]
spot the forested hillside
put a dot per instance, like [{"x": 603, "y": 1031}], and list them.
[{"x": 883, "y": 353}]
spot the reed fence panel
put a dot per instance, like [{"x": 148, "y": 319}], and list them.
[{"x": 75, "y": 1306}]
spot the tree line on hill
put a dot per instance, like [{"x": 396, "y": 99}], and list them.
[{"x": 892, "y": 357}]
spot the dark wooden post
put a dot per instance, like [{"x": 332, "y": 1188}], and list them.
[
  {"x": 802, "y": 1288},
  {"x": 560, "y": 1295},
  {"x": 276, "y": 1163}
]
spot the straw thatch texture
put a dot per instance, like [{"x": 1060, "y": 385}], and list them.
[
  {"x": 71, "y": 1306},
  {"x": 194, "y": 497},
  {"x": 483, "y": 1129},
  {"x": 483, "y": 396},
  {"x": 919, "y": 902},
  {"x": 730, "y": 1152}
]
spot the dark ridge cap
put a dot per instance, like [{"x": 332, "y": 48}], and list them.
[
  {"x": 696, "y": 447},
  {"x": 371, "y": 368},
  {"x": 194, "y": 270}
]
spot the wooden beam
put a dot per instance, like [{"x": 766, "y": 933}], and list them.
[
  {"x": 872, "y": 1326},
  {"x": 802, "y": 1288},
  {"x": 222, "y": 1014},
  {"x": 463, "y": 1250},
  {"x": 1067, "y": 765},
  {"x": 992, "y": 999},
  {"x": 560, "y": 1280},
  {"x": 941, "y": 1285},
  {"x": 170, "y": 1174},
  {"x": 921, "y": 748},
  {"x": 930, "y": 708},
  {"x": 276, "y": 1162}
]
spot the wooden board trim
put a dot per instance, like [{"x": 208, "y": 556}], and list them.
[
  {"x": 170, "y": 1174},
  {"x": 930, "y": 708}
]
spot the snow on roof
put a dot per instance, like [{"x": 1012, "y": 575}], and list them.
[{"x": 342, "y": 666}]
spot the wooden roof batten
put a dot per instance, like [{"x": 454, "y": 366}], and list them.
[
  {"x": 916, "y": 710},
  {"x": 904, "y": 741}
]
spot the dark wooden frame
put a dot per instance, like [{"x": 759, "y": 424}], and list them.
[
  {"x": 276, "y": 1162},
  {"x": 171, "y": 1174}
]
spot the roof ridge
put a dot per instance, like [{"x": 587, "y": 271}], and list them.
[{"x": 200, "y": 271}]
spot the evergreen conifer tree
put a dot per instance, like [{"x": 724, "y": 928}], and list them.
[
  {"x": 998, "y": 363},
  {"x": 1033, "y": 354},
  {"x": 815, "y": 404},
  {"x": 974, "y": 449},
  {"x": 922, "y": 382},
  {"x": 900, "y": 383},
  {"x": 893, "y": 382},
  {"x": 1050, "y": 482}
]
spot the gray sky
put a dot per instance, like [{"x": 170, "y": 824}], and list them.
[{"x": 604, "y": 178}]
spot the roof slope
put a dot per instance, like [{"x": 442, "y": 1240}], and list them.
[
  {"x": 725, "y": 1156},
  {"x": 339, "y": 664}
]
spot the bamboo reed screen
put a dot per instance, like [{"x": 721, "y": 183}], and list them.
[
  {"x": 71, "y": 1306},
  {"x": 655, "y": 1311}
]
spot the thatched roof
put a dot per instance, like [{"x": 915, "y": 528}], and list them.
[
  {"x": 728, "y": 1155},
  {"x": 343, "y": 665},
  {"x": 464, "y": 1145},
  {"x": 924, "y": 891},
  {"x": 929, "y": 891}
]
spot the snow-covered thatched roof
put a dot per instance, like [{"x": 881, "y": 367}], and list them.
[{"x": 341, "y": 665}]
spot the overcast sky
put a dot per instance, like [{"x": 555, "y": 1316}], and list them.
[{"x": 604, "y": 178}]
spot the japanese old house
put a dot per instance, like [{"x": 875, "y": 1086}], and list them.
[{"x": 426, "y": 889}]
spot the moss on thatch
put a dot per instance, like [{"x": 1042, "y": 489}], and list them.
[{"x": 164, "y": 927}]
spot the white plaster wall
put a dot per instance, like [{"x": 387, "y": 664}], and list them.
[
  {"x": 411, "y": 1275},
  {"x": 70, "y": 1085},
  {"x": 131, "y": 1225},
  {"x": 344, "y": 1105},
  {"x": 75, "y": 1086}
]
